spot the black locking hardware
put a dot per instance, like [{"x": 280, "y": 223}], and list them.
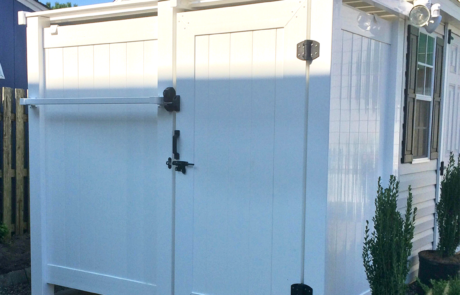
[
  {"x": 171, "y": 100},
  {"x": 169, "y": 163},
  {"x": 174, "y": 143},
  {"x": 308, "y": 50},
  {"x": 180, "y": 166},
  {"x": 301, "y": 289},
  {"x": 441, "y": 169}
]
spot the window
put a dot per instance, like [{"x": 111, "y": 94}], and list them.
[{"x": 422, "y": 96}]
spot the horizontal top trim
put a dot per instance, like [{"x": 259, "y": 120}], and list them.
[
  {"x": 130, "y": 8},
  {"x": 118, "y": 31}
]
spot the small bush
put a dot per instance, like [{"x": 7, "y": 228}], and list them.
[
  {"x": 3, "y": 232},
  {"x": 448, "y": 210},
  {"x": 441, "y": 287},
  {"x": 387, "y": 249}
]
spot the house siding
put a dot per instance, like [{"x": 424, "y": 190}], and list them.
[
  {"x": 13, "y": 45},
  {"x": 357, "y": 122},
  {"x": 422, "y": 179}
]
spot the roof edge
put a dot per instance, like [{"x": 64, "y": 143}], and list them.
[{"x": 33, "y": 4}]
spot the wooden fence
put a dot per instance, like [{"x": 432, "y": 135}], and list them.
[{"x": 14, "y": 199}]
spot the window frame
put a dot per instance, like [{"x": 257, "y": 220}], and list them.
[{"x": 424, "y": 97}]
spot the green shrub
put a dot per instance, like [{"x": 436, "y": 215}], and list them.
[
  {"x": 3, "y": 232},
  {"x": 448, "y": 210},
  {"x": 387, "y": 249},
  {"x": 441, "y": 287}
]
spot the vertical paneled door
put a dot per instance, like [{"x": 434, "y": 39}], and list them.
[
  {"x": 239, "y": 209},
  {"x": 451, "y": 113},
  {"x": 98, "y": 170}
]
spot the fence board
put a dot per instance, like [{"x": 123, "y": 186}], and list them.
[
  {"x": 13, "y": 198},
  {"x": 20, "y": 154},
  {"x": 7, "y": 97}
]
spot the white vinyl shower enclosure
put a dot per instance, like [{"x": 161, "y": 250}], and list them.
[
  {"x": 108, "y": 214},
  {"x": 187, "y": 148}
]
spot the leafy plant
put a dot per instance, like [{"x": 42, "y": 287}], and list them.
[
  {"x": 387, "y": 249},
  {"x": 448, "y": 210},
  {"x": 3, "y": 232},
  {"x": 441, "y": 287},
  {"x": 58, "y": 5}
]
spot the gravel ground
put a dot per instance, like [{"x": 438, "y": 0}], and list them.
[
  {"x": 20, "y": 289},
  {"x": 24, "y": 289},
  {"x": 15, "y": 255}
]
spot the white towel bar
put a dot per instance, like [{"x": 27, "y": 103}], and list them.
[{"x": 89, "y": 100}]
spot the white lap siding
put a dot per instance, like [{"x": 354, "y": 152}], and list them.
[{"x": 422, "y": 179}]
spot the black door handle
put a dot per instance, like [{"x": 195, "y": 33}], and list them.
[{"x": 175, "y": 137}]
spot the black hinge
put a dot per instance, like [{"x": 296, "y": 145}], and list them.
[
  {"x": 449, "y": 37},
  {"x": 301, "y": 289},
  {"x": 308, "y": 50},
  {"x": 441, "y": 169}
]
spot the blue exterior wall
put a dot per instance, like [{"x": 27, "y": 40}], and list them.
[{"x": 13, "y": 57}]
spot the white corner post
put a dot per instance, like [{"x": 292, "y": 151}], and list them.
[
  {"x": 392, "y": 114},
  {"x": 166, "y": 124},
  {"x": 321, "y": 16},
  {"x": 36, "y": 77}
]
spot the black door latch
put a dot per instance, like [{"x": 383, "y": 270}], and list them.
[
  {"x": 180, "y": 165},
  {"x": 441, "y": 169}
]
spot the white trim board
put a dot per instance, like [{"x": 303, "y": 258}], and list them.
[
  {"x": 99, "y": 11},
  {"x": 34, "y": 5},
  {"x": 85, "y": 280},
  {"x": 2, "y": 76},
  {"x": 129, "y": 30},
  {"x": 350, "y": 23}
]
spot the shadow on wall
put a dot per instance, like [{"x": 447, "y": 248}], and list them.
[{"x": 247, "y": 139}]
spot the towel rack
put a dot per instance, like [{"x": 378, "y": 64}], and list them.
[{"x": 170, "y": 101}]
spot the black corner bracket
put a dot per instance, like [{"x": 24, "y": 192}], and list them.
[
  {"x": 301, "y": 289},
  {"x": 171, "y": 100}
]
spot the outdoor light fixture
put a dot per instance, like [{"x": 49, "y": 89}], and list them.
[
  {"x": 2, "y": 76},
  {"x": 424, "y": 14},
  {"x": 435, "y": 18}
]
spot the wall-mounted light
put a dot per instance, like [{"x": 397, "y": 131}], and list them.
[
  {"x": 424, "y": 14},
  {"x": 2, "y": 76},
  {"x": 420, "y": 15}
]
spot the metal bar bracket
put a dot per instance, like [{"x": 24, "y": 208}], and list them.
[{"x": 170, "y": 101}]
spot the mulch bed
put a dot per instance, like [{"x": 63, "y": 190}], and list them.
[
  {"x": 15, "y": 254},
  {"x": 414, "y": 289}
]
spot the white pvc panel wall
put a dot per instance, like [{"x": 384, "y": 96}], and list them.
[
  {"x": 359, "y": 87},
  {"x": 101, "y": 157}
]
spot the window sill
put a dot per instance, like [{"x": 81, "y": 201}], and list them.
[{"x": 421, "y": 160}]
